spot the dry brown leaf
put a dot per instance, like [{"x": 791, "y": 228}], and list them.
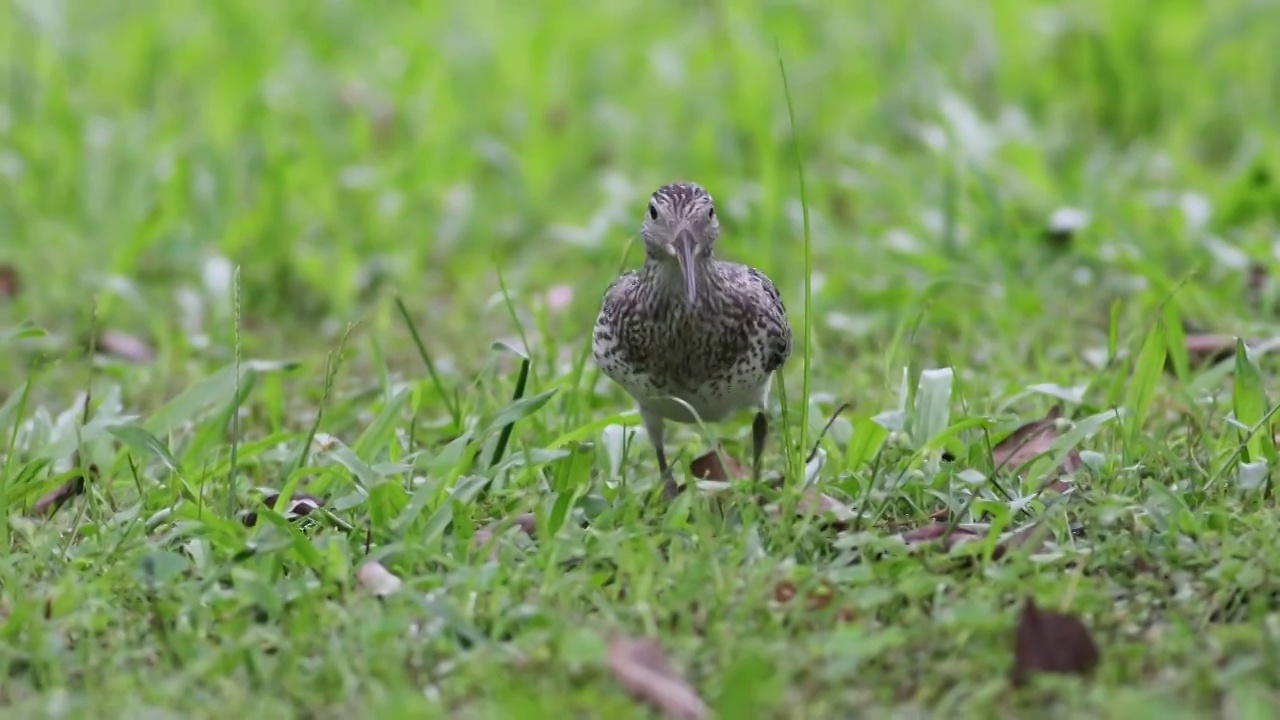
[
  {"x": 833, "y": 514},
  {"x": 378, "y": 580},
  {"x": 527, "y": 523},
  {"x": 1030, "y": 537},
  {"x": 815, "y": 502},
  {"x": 1032, "y": 440},
  {"x": 1061, "y": 479},
  {"x": 1027, "y": 442},
  {"x": 937, "y": 531},
  {"x": 10, "y": 282},
  {"x": 709, "y": 467},
  {"x": 640, "y": 666},
  {"x": 1046, "y": 641},
  {"x": 301, "y": 505},
  {"x": 52, "y": 501},
  {"x": 1204, "y": 348},
  {"x": 124, "y": 346}
]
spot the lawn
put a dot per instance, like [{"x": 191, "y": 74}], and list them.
[{"x": 351, "y": 254}]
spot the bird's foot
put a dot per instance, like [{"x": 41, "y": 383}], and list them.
[{"x": 669, "y": 487}]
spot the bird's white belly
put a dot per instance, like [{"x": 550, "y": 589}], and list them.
[{"x": 711, "y": 404}]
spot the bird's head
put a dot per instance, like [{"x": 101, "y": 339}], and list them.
[{"x": 680, "y": 230}]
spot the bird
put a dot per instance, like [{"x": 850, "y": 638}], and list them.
[{"x": 689, "y": 332}]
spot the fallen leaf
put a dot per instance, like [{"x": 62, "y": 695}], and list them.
[
  {"x": 124, "y": 346},
  {"x": 527, "y": 523},
  {"x": 378, "y": 580},
  {"x": 1204, "y": 348},
  {"x": 640, "y": 666},
  {"x": 937, "y": 531},
  {"x": 10, "y": 282},
  {"x": 301, "y": 505},
  {"x": 1030, "y": 537},
  {"x": 52, "y": 501},
  {"x": 1034, "y": 440},
  {"x": 1028, "y": 442},
  {"x": 1071, "y": 464},
  {"x": 815, "y": 502},
  {"x": 709, "y": 467},
  {"x": 1046, "y": 641}
]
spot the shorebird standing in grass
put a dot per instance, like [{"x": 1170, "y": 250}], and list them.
[{"x": 690, "y": 337}]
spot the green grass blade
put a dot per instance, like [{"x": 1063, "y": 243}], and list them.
[
  {"x": 931, "y": 414},
  {"x": 1249, "y": 404},
  {"x": 516, "y": 396},
  {"x": 1147, "y": 371},
  {"x": 807, "y": 332},
  {"x": 445, "y": 397}
]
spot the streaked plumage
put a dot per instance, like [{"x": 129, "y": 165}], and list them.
[{"x": 715, "y": 346}]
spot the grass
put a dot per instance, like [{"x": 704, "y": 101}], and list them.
[{"x": 250, "y": 187}]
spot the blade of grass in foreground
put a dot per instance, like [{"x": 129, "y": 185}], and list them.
[
  {"x": 1249, "y": 403},
  {"x": 1147, "y": 370},
  {"x": 445, "y": 398},
  {"x": 233, "y": 479},
  {"x": 1176, "y": 341},
  {"x": 808, "y": 272}
]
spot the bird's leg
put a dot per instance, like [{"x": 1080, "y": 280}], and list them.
[
  {"x": 653, "y": 425},
  {"x": 759, "y": 431}
]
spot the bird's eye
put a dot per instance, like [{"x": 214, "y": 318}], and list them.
[
  {"x": 711, "y": 213},
  {"x": 653, "y": 211}
]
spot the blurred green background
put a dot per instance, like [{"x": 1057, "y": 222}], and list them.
[{"x": 338, "y": 151}]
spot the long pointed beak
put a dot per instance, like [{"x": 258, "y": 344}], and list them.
[{"x": 684, "y": 247}]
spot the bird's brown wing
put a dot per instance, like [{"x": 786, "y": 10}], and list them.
[
  {"x": 779, "y": 328},
  {"x": 606, "y": 337},
  {"x": 616, "y": 294}
]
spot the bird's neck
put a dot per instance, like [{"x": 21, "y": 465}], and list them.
[{"x": 667, "y": 279}]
